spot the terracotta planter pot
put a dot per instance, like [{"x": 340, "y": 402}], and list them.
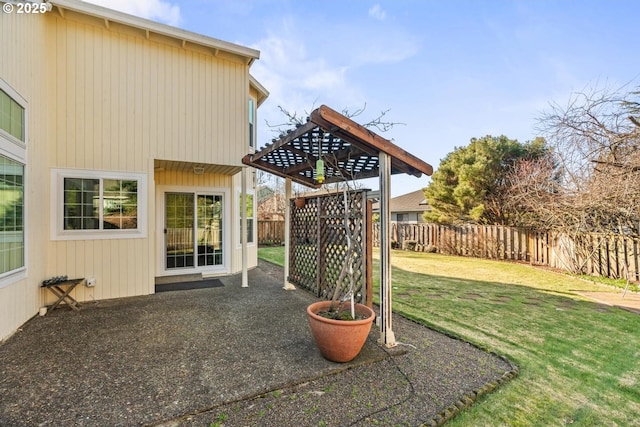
[
  {"x": 339, "y": 340},
  {"x": 299, "y": 202}
]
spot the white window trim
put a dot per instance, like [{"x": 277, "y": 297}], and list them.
[
  {"x": 253, "y": 148},
  {"x": 16, "y": 150},
  {"x": 251, "y": 192},
  {"x": 11, "y": 146},
  {"x": 57, "y": 205}
]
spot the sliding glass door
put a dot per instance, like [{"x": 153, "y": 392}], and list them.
[{"x": 193, "y": 230}]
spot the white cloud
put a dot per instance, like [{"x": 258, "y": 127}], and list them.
[
  {"x": 377, "y": 12},
  {"x": 156, "y": 10},
  {"x": 303, "y": 70},
  {"x": 286, "y": 63},
  {"x": 299, "y": 79}
]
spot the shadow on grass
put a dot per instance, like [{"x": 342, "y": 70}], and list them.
[{"x": 563, "y": 343}]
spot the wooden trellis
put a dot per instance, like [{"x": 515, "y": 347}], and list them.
[
  {"x": 348, "y": 150},
  {"x": 318, "y": 244}
]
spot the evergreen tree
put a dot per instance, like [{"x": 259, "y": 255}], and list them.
[{"x": 471, "y": 182}]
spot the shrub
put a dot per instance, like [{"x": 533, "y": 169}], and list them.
[{"x": 409, "y": 245}]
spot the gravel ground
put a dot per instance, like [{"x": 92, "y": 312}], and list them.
[{"x": 229, "y": 356}]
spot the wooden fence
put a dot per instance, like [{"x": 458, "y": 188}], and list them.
[
  {"x": 594, "y": 254},
  {"x": 599, "y": 255},
  {"x": 271, "y": 232}
]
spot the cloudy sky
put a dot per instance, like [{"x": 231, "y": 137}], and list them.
[{"x": 447, "y": 70}]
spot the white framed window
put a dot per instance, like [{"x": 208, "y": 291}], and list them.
[
  {"x": 252, "y": 124},
  {"x": 13, "y": 156},
  {"x": 88, "y": 204},
  {"x": 11, "y": 116},
  {"x": 250, "y": 229}
]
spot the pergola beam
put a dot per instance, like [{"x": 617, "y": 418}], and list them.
[
  {"x": 265, "y": 166},
  {"x": 371, "y": 138},
  {"x": 284, "y": 140},
  {"x": 338, "y": 139},
  {"x": 397, "y": 165}
]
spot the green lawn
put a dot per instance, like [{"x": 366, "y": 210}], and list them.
[
  {"x": 579, "y": 361},
  {"x": 274, "y": 254}
]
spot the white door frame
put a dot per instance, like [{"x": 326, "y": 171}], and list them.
[{"x": 225, "y": 268}]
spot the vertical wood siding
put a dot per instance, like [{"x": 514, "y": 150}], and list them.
[
  {"x": 24, "y": 37},
  {"x": 123, "y": 99},
  {"x": 128, "y": 101},
  {"x": 111, "y": 100}
]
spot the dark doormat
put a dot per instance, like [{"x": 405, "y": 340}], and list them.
[{"x": 183, "y": 286}]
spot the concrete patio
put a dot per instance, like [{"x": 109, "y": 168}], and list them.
[{"x": 228, "y": 355}]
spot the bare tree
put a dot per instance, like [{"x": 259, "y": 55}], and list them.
[
  {"x": 293, "y": 119},
  {"x": 597, "y": 144},
  {"x": 590, "y": 182}
]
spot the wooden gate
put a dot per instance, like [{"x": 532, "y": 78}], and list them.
[{"x": 318, "y": 244}]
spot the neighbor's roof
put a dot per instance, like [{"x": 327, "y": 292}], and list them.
[
  {"x": 154, "y": 30},
  {"x": 410, "y": 202},
  {"x": 349, "y": 150}
]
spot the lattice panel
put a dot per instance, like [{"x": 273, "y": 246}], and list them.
[
  {"x": 303, "y": 245},
  {"x": 318, "y": 244}
]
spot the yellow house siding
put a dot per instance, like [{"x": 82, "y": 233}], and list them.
[
  {"x": 123, "y": 101},
  {"x": 112, "y": 99},
  {"x": 113, "y": 87},
  {"x": 23, "y": 37},
  {"x": 99, "y": 103},
  {"x": 180, "y": 178},
  {"x": 100, "y": 98},
  {"x": 120, "y": 267},
  {"x": 196, "y": 124}
]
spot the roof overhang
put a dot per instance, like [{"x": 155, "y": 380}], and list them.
[
  {"x": 262, "y": 92},
  {"x": 350, "y": 152},
  {"x": 195, "y": 168},
  {"x": 155, "y": 31}
]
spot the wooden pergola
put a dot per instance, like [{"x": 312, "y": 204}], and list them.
[{"x": 349, "y": 152}]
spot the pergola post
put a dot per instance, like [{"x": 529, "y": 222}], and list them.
[
  {"x": 287, "y": 232},
  {"x": 387, "y": 337},
  {"x": 243, "y": 228}
]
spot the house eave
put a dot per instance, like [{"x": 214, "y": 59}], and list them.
[
  {"x": 196, "y": 168},
  {"x": 148, "y": 28},
  {"x": 263, "y": 93}
]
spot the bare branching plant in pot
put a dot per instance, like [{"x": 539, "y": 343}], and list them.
[{"x": 340, "y": 325}]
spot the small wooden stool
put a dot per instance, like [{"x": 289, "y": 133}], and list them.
[{"x": 63, "y": 295}]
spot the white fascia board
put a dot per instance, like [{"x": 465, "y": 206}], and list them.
[
  {"x": 147, "y": 25},
  {"x": 262, "y": 91}
]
